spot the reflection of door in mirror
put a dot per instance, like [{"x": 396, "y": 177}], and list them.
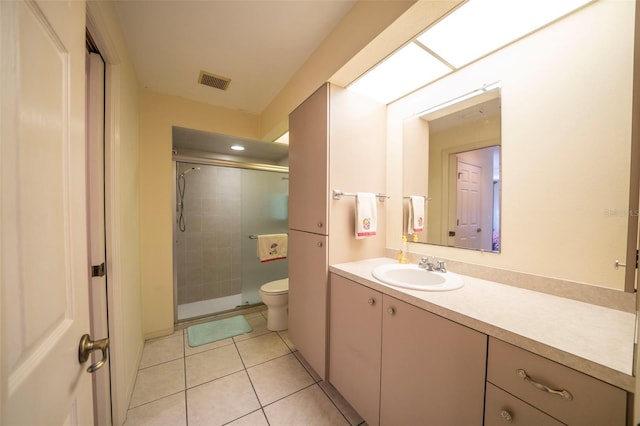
[
  {"x": 474, "y": 226},
  {"x": 468, "y": 204},
  {"x": 452, "y": 156}
]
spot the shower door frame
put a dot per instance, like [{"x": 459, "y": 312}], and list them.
[{"x": 205, "y": 161}]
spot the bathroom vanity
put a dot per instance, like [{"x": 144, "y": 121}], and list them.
[{"x": 486, "y": 353}]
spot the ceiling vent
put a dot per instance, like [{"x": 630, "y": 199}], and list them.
[{"x": 213, "y": 80}]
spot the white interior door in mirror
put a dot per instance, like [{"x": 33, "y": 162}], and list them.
[{"x": 468, "y": 205}]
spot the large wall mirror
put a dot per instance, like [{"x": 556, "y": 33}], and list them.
[
  {"x": 452, "y": 179},
  {"x": 553, "y": 143}
]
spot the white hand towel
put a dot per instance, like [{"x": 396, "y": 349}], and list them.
[
  {"x": 409, "y": 216},
  {"x": 366, "y": 214},
  {"x": 416, "y": 213},
  {"x": 272, "y": 247}
]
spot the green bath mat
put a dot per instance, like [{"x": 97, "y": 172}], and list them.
[{"x": 201, "y": 334}]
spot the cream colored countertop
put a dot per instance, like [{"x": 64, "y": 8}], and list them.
[{"x": 594, "y": 340}]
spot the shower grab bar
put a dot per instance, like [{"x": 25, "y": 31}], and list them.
[
  {"x": 255, "y": 237},
  {"x": 337, "y": 194}
]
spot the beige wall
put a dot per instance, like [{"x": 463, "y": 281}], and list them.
[
  {"x": 356, "y": 164},
  {"x": 158, "y": 113},
  {"x": 566, "y": 132},
  {"x": 122, "y": 194}
]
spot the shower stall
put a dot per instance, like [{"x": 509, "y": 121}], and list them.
[{"x": 219, "y": 211}]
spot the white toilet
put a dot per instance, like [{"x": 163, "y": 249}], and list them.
[{"x": 275, "y": 294}]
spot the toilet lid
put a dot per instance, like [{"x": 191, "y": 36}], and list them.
[{"x": 278, "y": 286}]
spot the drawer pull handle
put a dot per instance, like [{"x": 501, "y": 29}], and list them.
[
  {"x": 562, "y": 393},
  {"x": 506, "y": 416}
]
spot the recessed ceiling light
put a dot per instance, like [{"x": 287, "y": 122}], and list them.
[{"x": 237, "y": 147}]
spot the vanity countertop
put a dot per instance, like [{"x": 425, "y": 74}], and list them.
[{"x": 592, "y": 339}]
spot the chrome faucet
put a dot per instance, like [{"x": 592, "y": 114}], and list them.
[{"x": 427, "y": 263}]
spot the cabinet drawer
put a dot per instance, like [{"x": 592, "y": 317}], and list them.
[
  {"x": 589, "y": 402},
  {"x": 502, "y": 408}
]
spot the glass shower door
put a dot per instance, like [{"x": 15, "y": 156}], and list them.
[{"x": 264, "y": 210}]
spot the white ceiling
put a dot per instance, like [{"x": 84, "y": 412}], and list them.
[{"x": 258, "y": 44}]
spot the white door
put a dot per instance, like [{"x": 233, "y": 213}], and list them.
[
  {"x": 43, "y": 227},
  {"x": 468, "y": 205}
]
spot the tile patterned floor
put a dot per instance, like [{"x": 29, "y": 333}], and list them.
[{"x": 254, "y": 379}]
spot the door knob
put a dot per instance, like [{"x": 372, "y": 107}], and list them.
[{"x": 87, "y": 346}]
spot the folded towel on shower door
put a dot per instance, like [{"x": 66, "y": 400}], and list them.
[
  {"x": 272, "y": 247},
  {"x": 366, "y": 214},
  {"x": 416, "y": 213}
]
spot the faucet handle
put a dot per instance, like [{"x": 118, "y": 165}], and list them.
[
  {"x": 426, "y": 260},
  {"x": 442, "y": 266}
]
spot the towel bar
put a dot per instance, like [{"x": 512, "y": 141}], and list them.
[
  {"x": 425, "y": 198},
  {"x": 337, "y": 194}
]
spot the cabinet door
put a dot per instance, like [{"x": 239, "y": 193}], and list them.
[
  {"x": 308, "y": 293},
  {"x": 308, "y": 164},
  {"x": 354, "y": 348},
  {"x": 433, "y": 370}
]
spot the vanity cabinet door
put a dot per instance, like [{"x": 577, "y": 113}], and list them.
[
  {"x": 354, "y": 348},
  {"x": 433, "y": 370},
  {"x": 308, "y": 296}
]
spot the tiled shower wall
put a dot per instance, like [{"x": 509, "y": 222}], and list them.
[{"x": 208, "y": 252}]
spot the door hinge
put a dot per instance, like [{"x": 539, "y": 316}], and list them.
[{"x": 97, "y": 270}]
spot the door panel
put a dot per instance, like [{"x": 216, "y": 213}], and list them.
[
  {"x": 308, "y": 152},
  {"x": 468, "y": 205},
  {"x": 43, "y": 227},
  {"x": 308, "y": 294},
  {"x": 433, "y": 370},
  {"x": 355, "y": 342}
]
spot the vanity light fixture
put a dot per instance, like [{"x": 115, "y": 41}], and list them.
[
  {"x": 237, "y": 147},
  {"x": 480, "y": 27},
  {"x": 406, "y": 70},
  {"x": 484, "y": 89}
]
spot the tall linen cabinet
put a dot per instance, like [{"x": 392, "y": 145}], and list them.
[{"x": 337, "y": 140}]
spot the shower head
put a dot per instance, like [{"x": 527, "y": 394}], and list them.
[{"x": 189, "y": 170}]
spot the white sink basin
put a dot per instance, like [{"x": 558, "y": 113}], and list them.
[{"x": 415, "y": 278}]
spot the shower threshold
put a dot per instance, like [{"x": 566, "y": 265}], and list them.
[{"x": 208, "y": 307}]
